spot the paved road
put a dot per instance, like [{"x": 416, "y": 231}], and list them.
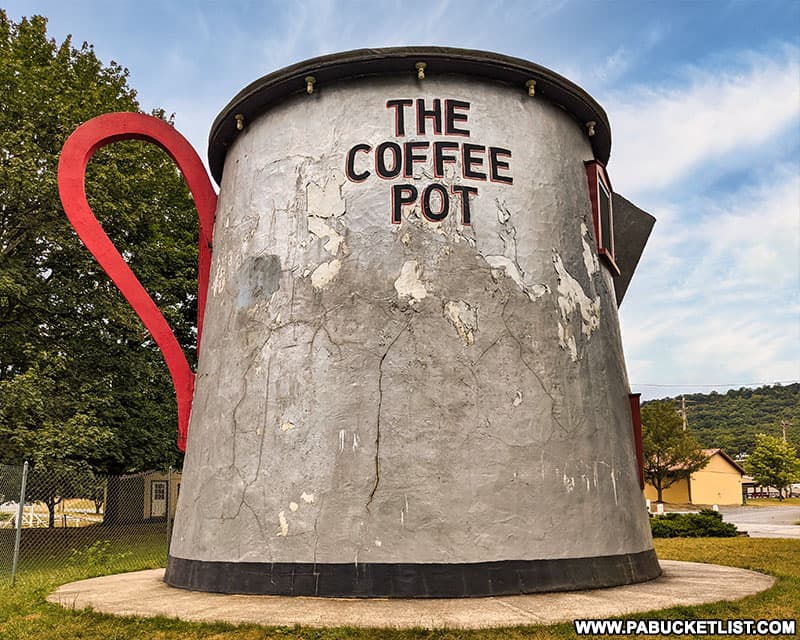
[{"x": 765, "y": 522}]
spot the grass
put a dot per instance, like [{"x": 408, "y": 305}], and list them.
[
  {"x": 751, "y": 502},
  {"x": 98, "y": 550},
  {"x": 773, "y": 502},
  {"x": 73, "y": 512},
  {"x": 25, "y": 613}
]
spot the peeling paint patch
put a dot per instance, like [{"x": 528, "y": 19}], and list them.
[
  {"x": 325, "y": 273},
  {"x": 408, "y": 284},
  {"x": 218, "y": 285},
  {"x": 614, "y": 485},
  {"x": 284, "y": 525},
  {"x": 534, "y": 291},
  {"x": 501, "y": 262},
  {"x": 293, "y": 506},
  {"x": 378, "y": 543},
  {"x": 567, "y": 341},
  {"x": 326, "y": 201},
  {"x": 503, "y": 214},
  {"x": 589, "y": 256},
  {"x": 322, "y": 231},
  {"x": 572, "y": 297},
  {"x": 286, "y": 426},
  {"x": 464, "y": 318},
  {"x": 342, "y": 434},
  {"x": 356, "y": 442},
  {"x": 517, "y": 399},
  {"x": 308, "y": 498},
  {"x": 259, "y": 278}
]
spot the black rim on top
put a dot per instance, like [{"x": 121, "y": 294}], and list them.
[{"x": 275, "y": 87}]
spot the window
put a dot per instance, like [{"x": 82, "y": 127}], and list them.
[
  {"x": 159, "y": 491},
  {"x": 636, "y": 423},
  {"x": 602, "y": 212}
]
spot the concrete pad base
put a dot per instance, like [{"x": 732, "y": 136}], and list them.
[{"x": 144, "y": 593}]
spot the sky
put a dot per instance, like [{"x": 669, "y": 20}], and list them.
[{"x": 703, "y": 99}]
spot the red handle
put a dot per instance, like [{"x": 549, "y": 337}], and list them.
[{"x": 75, "y": 156}]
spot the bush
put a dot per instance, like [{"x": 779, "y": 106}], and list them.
[{"x": 706, "y": 524}]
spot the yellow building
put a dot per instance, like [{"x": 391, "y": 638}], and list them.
[{"x": 719, "y": 482}]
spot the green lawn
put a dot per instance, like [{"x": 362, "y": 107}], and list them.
[
  {"x": 53, "y": 554},
  {"x": 25, "y": 613},
  {"x": 774, "y": 502}
]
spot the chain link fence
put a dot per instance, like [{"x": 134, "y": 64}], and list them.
[{"x": 54, "y": 520}]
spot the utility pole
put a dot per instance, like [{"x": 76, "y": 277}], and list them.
[
  {"x": 683, "y": 411},
  {"x": 784, "y": 426}
]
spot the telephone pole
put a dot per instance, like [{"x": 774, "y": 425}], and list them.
[{"x": 683, "y": 411}]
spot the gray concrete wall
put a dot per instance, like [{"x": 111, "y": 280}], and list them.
[{"x": 418, "y": 392}]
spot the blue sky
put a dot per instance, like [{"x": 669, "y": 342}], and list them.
[{"x": 704, "y": 104}]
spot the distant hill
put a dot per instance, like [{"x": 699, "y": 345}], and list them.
[{"x": 731, "y": 420}]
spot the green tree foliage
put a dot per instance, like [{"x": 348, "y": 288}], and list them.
[
  {"x": 670, "y": 453},
  {"x": 773, "y": 463},
  {"x": 731, "y": 420},
  {"x": 81, "y": 381}
]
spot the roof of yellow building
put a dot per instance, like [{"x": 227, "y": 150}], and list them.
[{"x": 712, "y": 452}]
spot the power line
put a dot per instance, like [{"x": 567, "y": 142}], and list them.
[{"x": 727, "y": 384}]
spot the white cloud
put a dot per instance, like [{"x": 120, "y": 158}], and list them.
[
  {"x": 716, "y": 297},
  {"x": 661, "y": 133},
  {"x": 752, "y": 238}
]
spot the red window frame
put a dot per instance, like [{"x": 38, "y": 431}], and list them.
[
  {"x": 604, "y": 233},
  {"x": 636, "y": 423}
]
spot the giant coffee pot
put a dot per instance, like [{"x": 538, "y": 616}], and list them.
[{"x": 411, "y": 380}]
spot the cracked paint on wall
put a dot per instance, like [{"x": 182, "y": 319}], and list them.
[
  {"x": 571, "y": 298},
  {"x": 590, "y": 261},
  {"x": 320, "y": 229},
  {"x": 408, "y": 284},
  {"x": 325, "y": 200},
  {"x": 325, "y": 273},
  {"x": 464, "y": 319}
]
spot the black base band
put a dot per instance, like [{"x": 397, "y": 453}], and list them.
[{"x": 412, "y": 580}]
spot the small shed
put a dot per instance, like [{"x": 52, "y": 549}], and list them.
[
  {"x": 141, "y": 497},
  {"x": 157, "y": 491},
  {"x": 719, "y": 482}
]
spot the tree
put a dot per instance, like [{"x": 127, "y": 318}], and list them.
[
  {"x": 81, "y": 381},
  {"x": 55, "y": 482},
  {"x": 731, "y": 420},
  {"x": 773, "y": 463},
  {"x": 670, "y": 453}
]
